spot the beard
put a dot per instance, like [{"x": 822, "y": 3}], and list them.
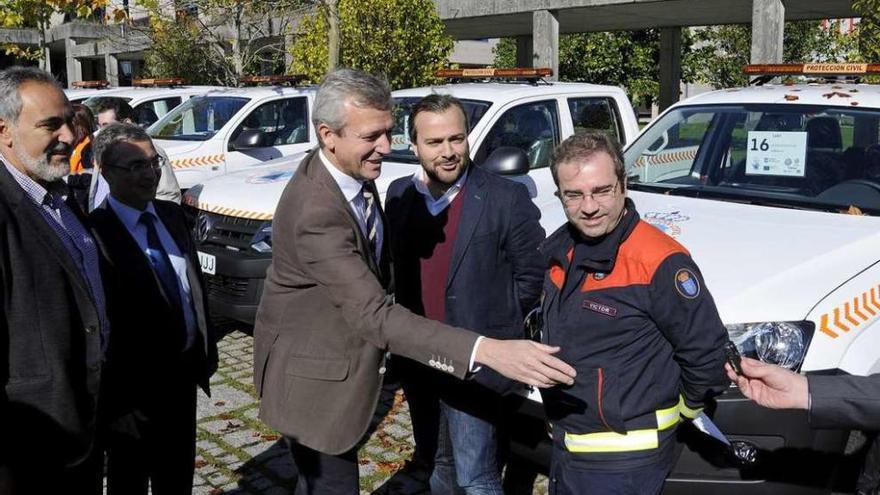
[{"x": 42, "y": 167}]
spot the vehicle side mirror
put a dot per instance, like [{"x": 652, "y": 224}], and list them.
[
  {"x": 250, "y": 138},
  {"x": 507, "y": 160}
]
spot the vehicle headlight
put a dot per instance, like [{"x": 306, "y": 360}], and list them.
[
  {"x": 783, "y": 343},
  {"x": 262, "y": 241}
]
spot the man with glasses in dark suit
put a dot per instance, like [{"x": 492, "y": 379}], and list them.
[{"x": 164, "y": 348}]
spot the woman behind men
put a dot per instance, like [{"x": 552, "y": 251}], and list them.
[{"x": 81, "y": 158}]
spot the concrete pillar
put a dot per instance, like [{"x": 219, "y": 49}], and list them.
[
  {"x": 545, "y": 39},
  {"x": 111, "y": 67},
  {"x": 670, "y": 66},
  {"x": 525, "y": 52},
  {"x": 768, "y": 22},
  {"x": 73, "y": 65},
  {"x": 288, "y": 57}
]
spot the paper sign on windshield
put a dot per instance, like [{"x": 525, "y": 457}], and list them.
[{"x": 776, "y": 153}]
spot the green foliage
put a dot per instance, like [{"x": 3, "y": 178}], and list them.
[
  {"x": 623, "y": 58},
  {"x": 178, "y": 50},
  {"x": 868, "y": 29},
  {"x": 505, "y": 53},
  {"x": 721, "y": 51},
  {"x": 224, "y": 41},
  {"x": 403, "y": 39}
]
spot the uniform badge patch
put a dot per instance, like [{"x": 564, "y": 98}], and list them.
[
  {"x": 599, "y": 308},
  {"x": 686, "y": 283}
]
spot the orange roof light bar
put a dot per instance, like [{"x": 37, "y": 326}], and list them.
[
  {"x": 167, "y": 81},
  {"x": 483, "y": 73},
  {"x": 256, "y": 80},
  {"x": 91, "y": 84},
  {"x": 811, "y": 69}
]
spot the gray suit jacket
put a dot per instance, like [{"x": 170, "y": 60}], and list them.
[
  {"x": 845, "y": 402},
  {"x": 327, "y": 319}
]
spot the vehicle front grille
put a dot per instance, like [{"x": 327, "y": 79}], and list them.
[
  {"x": 226, "y": 231},
  {"x": 222, "y": 285}
]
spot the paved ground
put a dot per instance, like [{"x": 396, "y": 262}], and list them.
[{"x": 237, "y": 454}]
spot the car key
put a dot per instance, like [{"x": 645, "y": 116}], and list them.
[{"x": 733, "y": 357}]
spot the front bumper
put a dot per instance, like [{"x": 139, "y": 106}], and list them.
[
  {"x": 792, "y": 457},
  {"x": 234, "y": 290}
]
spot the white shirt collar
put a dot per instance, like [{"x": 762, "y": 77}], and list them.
[
  {"x": 436, "y": 206},
  {"x": 350, "y": 186}
]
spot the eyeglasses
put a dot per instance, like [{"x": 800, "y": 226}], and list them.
[
  {"x": 602, "y": 195},
  {"x": 140, "y": 166}
]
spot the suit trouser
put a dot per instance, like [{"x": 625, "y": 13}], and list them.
[
  {"x": 325, "y": 474},
  {"x": 162, "y": 451}
]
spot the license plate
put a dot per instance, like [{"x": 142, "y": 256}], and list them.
[{"x": 208, "y": 262}]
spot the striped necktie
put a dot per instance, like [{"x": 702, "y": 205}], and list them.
[{"x": 370, "y": 216}]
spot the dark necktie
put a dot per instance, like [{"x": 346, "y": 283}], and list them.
[
  {"x": 370, "y": 217},
  {"x": 161, "y": 262}
]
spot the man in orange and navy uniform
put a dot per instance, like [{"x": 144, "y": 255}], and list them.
[{"x": 630, "y": 310}]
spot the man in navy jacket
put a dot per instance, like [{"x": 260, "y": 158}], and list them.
[{"x": 464, "y": 243}]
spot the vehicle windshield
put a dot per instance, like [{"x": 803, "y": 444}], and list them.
[
  {"x": 198, "y": 119},
  {"x": 400, "y": 150},
  {"x": 803, "y": 156}
]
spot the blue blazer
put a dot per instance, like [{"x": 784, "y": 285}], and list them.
[{"x": 495, "y": 273}]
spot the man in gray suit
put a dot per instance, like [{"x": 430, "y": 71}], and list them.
[
  {"x": 844, "y": 402},
  {"x": 327, "y": 319},
  {"x": 52, "y": 311}
]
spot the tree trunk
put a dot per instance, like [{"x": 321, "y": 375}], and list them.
[{"x": 333, "y": 41}]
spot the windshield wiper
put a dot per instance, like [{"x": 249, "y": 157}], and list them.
[{"x": 749, "y": 196}]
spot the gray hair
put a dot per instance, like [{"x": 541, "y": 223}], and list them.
[
  {"x": 362, "y": 89},
  {"x": 115, "y": 133},
  {"x": 580, "y": 147},
  {"x": 11, "y": 80}
]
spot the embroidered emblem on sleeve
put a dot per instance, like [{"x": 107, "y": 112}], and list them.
[{"x": 687, "y": 284}]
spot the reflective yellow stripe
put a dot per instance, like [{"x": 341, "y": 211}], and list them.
[
  {"x": 667, "y": 418},
  {"x": 624, "y": 442},
  {"x": 612, "y": 442},
  {"x": 687, "y": 411}
]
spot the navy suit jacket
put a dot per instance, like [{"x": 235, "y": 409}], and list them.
[
  {"x": 145, "y": 327},
  {"x": 495, "y": 273}
]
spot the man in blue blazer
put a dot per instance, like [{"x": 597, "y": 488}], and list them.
[{"x": 464, "y": 243}]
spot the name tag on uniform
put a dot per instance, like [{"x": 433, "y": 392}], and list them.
[{"x": 599, "y": 308}]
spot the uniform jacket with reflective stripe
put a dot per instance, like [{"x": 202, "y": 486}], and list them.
[{"x": 639, "y": 326}]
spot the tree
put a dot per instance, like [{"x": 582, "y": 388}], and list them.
[
  {"x": 216, "y": 41},
  {"x": 629, "y": 59},
  {"x": 721, "y": 51},
  {"x": 37, "y": 14},
  {"x": 868, "y": 29},
  {"x": 404, "y": 39}
]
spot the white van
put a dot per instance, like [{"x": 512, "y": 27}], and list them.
[
  {"x": 151, "y": 99},
  {"x": 234, "y": 129}
]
